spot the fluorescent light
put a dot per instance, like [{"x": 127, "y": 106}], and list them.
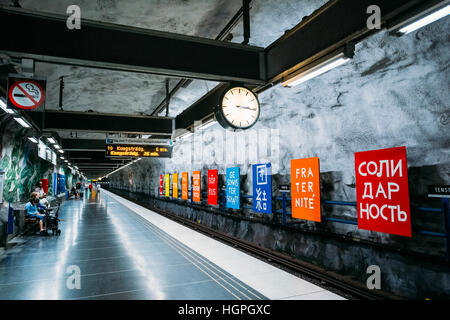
[
  {"x": 60, "y": 150},
  {"x": 22, "y": 122},
  {"x": 57, "y": 146},
  {"x": 51, "y": 140},
  {"x": 5, "y": 108},
  {"x": 423, "y": 21},
  {"x": 208, "y": 124},
  {"x": 319, "y": 69},
  {"x": 62, "y": 158},
  {"x": 33, "y": 139},
  {"x": 66, "y": 161}
]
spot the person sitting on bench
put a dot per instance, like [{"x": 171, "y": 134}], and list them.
[{"x": 32, "y": 212}]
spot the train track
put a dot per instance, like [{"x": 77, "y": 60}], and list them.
[{"x": 352, "y": 288}]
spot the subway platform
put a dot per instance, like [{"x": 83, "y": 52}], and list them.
[{"x": 111, "y": 248}]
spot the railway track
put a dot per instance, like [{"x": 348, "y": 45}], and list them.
[{"x": 352, "y": 288}]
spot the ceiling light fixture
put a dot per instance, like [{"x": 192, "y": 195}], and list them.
[
  {"x": 60, "y": 150},
  {"x": 33, "y": 139},
  {"x": 320, "y": 66},
  {"x": 51, "y": 140},
  {"x": 208, "y": 124},
  {"x": 22, "y": 122},
  {"x": 420, "y": 19},
  {"x": 4, "y": 107}
]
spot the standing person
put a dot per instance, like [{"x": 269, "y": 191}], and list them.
[{"x": 40, "y": 190}]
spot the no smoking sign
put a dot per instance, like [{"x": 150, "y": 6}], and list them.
[{"x": 25, "y": 94}]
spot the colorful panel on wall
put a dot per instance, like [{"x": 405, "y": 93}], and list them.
[
  {"x": 233, "y": 188},
  {"x": 185, "y": 186},
  {"x": 382, "y": 193},
  {"x": 305, "y": 189},
  {"x": 196, "y": 188},
  {"x": 167, "y": 185},
  {"x": 212, "y": 187},
  {"x": 175, "y": 185},
  {"x": 262, "y": 188}
]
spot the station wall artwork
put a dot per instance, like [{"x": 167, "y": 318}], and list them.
[
  {"x": 23, "y": 168},
  {"x": 305, "y": 189},
  {"x": 185, "y": 186},
  {"x": 262, "y": 188},
  {"x": 233, "y": 188},
  {"x": 175, "y": 185},
  {"x": 381, "y": 187},
  {"x": 382, "y": 191},
  {"x": 167, "y": 185},
  {"x": 196, "y": 186},
  {"x": 212, "y": 187}
]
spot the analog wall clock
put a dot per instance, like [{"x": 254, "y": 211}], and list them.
[{"x": 238, "y": 108}]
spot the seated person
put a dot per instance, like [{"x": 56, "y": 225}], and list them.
[
  {"x": 32, "y": 212},
  {"x": 39, "y": 189}
]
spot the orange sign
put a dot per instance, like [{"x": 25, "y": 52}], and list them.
[
  {"x": 175, "y": 185},
  {"x": 305, "y": 189},
  {"x": 196, "y": 186},
  {"x": 184, "y": 186}
]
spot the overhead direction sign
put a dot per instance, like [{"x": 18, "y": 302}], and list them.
[
  {"x": 139, "y": 151},
  {"x": 25, "y": 94}
]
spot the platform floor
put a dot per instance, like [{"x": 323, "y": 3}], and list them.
[{"x": 125, "y": 251}]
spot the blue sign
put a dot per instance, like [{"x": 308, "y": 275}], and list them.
[
  {"x": 233, "y": 188},
  {"x": 262, "y": 188}
]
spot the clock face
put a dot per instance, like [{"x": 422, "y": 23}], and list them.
[{"x": 240, "y": 108}]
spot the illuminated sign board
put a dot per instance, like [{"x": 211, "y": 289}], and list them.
[
  {"x": 138, "y": 151},
  {"x": 46, "y": 153}
]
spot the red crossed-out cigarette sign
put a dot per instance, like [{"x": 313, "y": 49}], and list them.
[
  {"x": 382, "y": 191},
  {"x": 25, "y": 94}
]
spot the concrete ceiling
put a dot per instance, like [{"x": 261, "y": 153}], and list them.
[{"x": 134, "y": 93}]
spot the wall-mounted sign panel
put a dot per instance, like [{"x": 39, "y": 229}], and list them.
[
  {"x": 439, "y": 191},
  {"x": 25, "y": 94},
  {"x": 382, "y": 191},
  {"x": 185, "y": 186},
  {"x": 138, "y": 151},
  {"x": 305, "y": 189},
  {"x": 167, "y": 184},
  {"x": 233, "y": 188},
  {"x": 262, "y": 188},
  {"x": 161, "y": 183},
  {"x": 212, "y": 187},
  {"x": 175, "y": 185},
  {"x": 196, "y": 186},
  {"x": 44, "y": 152}
]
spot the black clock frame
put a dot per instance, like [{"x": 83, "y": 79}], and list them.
[{"x": 220, "y": 117}]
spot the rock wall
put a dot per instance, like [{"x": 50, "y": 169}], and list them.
[{"x": 393, "y": 93}]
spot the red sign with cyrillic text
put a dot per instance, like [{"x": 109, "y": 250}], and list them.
[
  {"x": 382, "y": 193},
  {"x": 161, "y": 183},
  {"x": 212, "y": 187}
]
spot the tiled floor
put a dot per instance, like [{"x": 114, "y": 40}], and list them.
[
  {"x": 124, "y": 251},
  {"x": 266, "y": 279},
  {"x": 119, "y": 254}
]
